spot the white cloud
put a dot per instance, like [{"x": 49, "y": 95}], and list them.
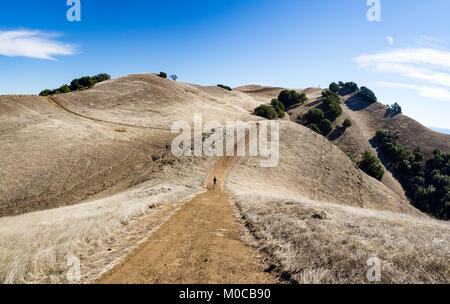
[
  {"x": 33, "y": 44},
  {"x": 425, "y": 70},
  {"x": 428, "y": 92},
  {"x": 424, "y": 56},
  {"x": 390, "y": 40}
]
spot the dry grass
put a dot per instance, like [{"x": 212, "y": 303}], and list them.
[
  {"x": 36, "y": 246},
  {"x": 52, "y": 157},
  {"x": 101, "y": 232},
  {"x": 336, "y": 249},
  {"x": 311, "y": 167}
]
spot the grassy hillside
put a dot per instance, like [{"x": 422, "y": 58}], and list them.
[
  {"x": 55, "y": 156},
  {"x": 103, "y": 157}
]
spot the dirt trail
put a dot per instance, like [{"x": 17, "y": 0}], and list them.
[
  {"x": 61, "y": 107},
  {"x": 199, "y": 244}
]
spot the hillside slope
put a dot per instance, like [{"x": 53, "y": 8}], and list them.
[
  {"x": 411, "y": 134},
  {"x": 366, "y": 119},
  {"x": 103, "y": 156},
  {"x": 55, "y": 158},
  {"x": 52, "y": 157},
  {"x": 313, "y": 168}
]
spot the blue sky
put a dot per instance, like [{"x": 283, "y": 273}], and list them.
[{"x": 404, "y": 58}]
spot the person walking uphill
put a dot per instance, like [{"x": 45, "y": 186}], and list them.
[{"x": 215, "y": 182}]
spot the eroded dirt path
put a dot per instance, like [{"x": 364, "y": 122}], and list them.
[
  {"x": 61, "y": 107},
  {"x": 199, "y": 244}
]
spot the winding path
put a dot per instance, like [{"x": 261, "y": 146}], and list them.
[
  {"x": 63, "y": 108},
  {"x": 200, "y": 244}
]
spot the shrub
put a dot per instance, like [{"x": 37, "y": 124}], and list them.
[
  {"x": 332, "y": 95},
  {"x": 315, "y": 128},
  {"x": 367, "y": 94},
  {"x": 64, "y": 89},
  {"x": 303, "y": 98},
  {"x": 421, "y": 199},
  {"x": 87, "y": 82},
  {"x": 418, "y": 155},
  {"x": 334, "y": 111},
  {"x": 173, "y": 77},
  {"x": 372, "y": 166},
  {"x": 315, "y": 116},
  {"x": 46, "y": 93},
  {"x": 225, "y": 87},
  {"x": 266, "y": 112},
  {"x": 162, "y": 75},
  {"x": 347, "y": 123},
  {"x": 351, "y": 87},
  {"x": 279, "y": 107},
  {"x": 75, "y": 85},
  {"x": 101, "y": 77},
  {"x": 396, "y": 108},
  {"x": 334, "y": 87},
  {"x": 290, "y": 98},
  {"x": 326, "y": 127}
]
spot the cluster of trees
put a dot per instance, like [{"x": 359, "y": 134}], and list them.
[
  {"x": 372, "y": 165},
  {"x": 426, "y": 182},
  {"x": 77, "y": 84},
  {"x": 274, "y": 111},
  {"x": 332, "y": 106},
  {"x": 368, "y": 95},
  {"x": 278, "y": 105},
  {"x": 349, "y": 86},
  {"x": 320, "y": 120},
  {"x": 316, "y": 121},
  {"x": 290, "y": 98},
  {"x": 225, "y": 87}
]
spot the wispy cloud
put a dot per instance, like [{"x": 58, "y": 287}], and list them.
[
  {"x": 33, "y": 44},
  {"x": 425, "y": 70},
  {"x": 429, "y": 41},
  {"x": 423, "y": 56},
  {"x": 428, "y": 92}
]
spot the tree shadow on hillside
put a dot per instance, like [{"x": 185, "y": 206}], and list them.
[
  {"x": 295, "y": 106},
  {"x": 338, "y": 132},
  {"x": 357, "y": 103},
  {"x": 314, "y": 103}
]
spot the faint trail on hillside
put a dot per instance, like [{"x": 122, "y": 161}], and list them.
[
  {"x": 63, "y": 108},
  {"x": 199, "y": 244}
]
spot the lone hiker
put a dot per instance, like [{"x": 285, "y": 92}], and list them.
[{"x": 215, "y": 182}]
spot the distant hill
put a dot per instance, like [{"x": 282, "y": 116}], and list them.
[{"x": 443, "y": 131}]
